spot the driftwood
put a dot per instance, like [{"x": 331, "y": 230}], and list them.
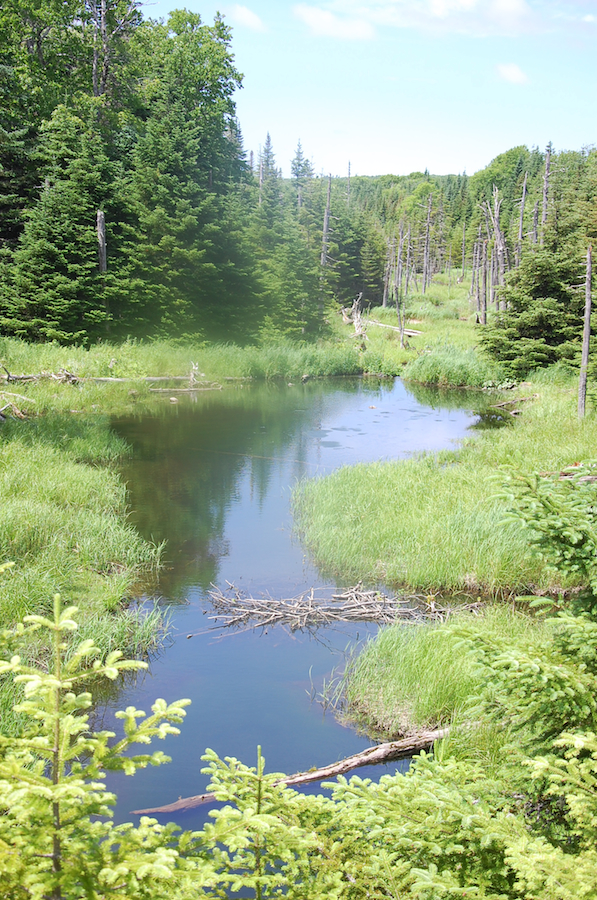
[
  {"x": 233, "y": 609},
  {"x": 354, "y": 316},
  {"x": 65, "y": 377},
  {"x": 409, "y": 332},
  {"x": 198, "y": 386},
  {"x": 506, "y": 403},
  {"x": 372, "y": 756}
]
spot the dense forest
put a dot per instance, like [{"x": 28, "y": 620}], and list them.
[{"x": 130, "y": 208}]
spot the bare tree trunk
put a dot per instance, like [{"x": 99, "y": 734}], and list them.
[
  {"x": 463, "y": 247},
  {"x": 325, "y": 242},
  {"x": 474, "y": 266},
  {"x": 399, "y": 310},
  {"x": 408, "y": 263},
  {"x": 389, "y": 266},
  {"x": 586, "y": 338},
  {"x": 484, "y": 285},
  {"x": 545, "y": 190},
  {"x": 521, "y": 221},
  {"x": 399, "y": 257},
  {"x": 326, "y": 225},
  {"x": 535, "y": 232},
  {"x": 492, "y": 278},
  {"x": 260, "y": 180},
  {"x": 101, "y": 241},
  {"x": 103, "y": 259},
  {"x": 426, "y": 254},
  {"x": 348, "y": 188}
]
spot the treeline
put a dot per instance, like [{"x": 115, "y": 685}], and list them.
[{"x": 128, "y": 205}]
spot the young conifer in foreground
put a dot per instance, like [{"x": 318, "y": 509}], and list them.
[{"x": 56, "y": 840}]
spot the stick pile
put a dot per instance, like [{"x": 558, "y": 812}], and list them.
[{"x": 233, "y": 609}]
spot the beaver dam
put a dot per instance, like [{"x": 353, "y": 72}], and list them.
[{"x": 234, "y": 609}]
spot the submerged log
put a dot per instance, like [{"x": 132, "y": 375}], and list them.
[{"x": 372, "y": 756}]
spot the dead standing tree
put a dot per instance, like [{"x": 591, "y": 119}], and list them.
[
  {"x": 521, "y": 221},
  {"x": 546, "y": 175},
  {"x": 427, "y": 247},
  {"x": 354, "y": 316},
  {"x": 586, "y": 337},
  {"x": 495, "y": 233},
  {"x": 325, "y": 242}
]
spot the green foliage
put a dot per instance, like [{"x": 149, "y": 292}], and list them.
[
  {"x": 448, "y": 365},
  {"x": 55, "y": 838},
  {"x": 384, "y": 692},
  {"x": 543, "y": 320},
  {"x": 448, "y": 828}
]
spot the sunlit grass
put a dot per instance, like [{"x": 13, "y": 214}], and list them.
[
  {"x": 437, "y": 522},
  {"x": 411, "y": 678}
]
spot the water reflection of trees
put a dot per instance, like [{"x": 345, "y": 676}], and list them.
[
  {"x": 189, "y": 459},
  {"x": 481, "y": 402}
]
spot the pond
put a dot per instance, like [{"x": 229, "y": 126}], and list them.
[{"x": 212, "y": 476}]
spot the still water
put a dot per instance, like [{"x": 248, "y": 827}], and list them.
[{"x": 212, "y": 476}]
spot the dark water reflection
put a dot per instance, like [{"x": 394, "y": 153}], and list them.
[{"x": 212, "y": 476}]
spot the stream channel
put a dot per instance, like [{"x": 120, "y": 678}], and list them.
[{"x": 212, "y": 476}]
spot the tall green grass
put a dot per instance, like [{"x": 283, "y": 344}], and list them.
[
  {"x": 437, "y": 522},
  {"x": 449, "y": 365},
  {"x": 131, "y": 359},
  {"x": 63, "y": 521},
  {"x": 416, "y": 677}
]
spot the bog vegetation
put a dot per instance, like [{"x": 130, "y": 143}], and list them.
[{"x": 138, "y": 237}]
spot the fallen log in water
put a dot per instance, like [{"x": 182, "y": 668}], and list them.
[
  {"x": 233, "y": 609},
  {"x": 195, "y": 389},
  {"x": 372, "y": 756}
]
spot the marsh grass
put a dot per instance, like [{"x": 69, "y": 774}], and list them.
[
  {"x": 410, "y": 678},
  {"x": 131, "y": 359},
  {"x": 438, "y": 522},
  {"x": 63, "y": 524},
  {"x": 446, "y": 364}
]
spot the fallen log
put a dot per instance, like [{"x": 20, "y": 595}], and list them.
[
  {"x": 64, "y": 376},
  {"x": 372, "y": 756},
  {"x": 513, "y": 401},
  {"x": 138, "y": 378},
  {"x": 190, "y": 390},
  {"x": 409, "y": 332}
]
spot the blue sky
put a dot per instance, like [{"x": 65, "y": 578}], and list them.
[{"x": 395, "y": 86}]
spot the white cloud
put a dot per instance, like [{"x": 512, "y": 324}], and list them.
[
  {"x": 242, "y": 15},
  {"x": 589, "y": 18},
  {"x": 476, "y": 17},
  {"x": 324, "y": 23},
  {"x": 512, "y": 72},
  {"x": 509, "y": 13},
  {"x": 443, "y": 8}
]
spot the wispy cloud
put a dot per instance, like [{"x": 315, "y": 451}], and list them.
[
  {"x": 475, "y": 17},
  {"x": 326, "y": 23},
  {"x": 242, "y": 15},
  {"x": 512, "y": 73}
]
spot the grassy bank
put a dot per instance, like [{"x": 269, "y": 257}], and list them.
[
  {"x": 63, "y": 522},
  {"x": 412, "y": 678},
  {"x": 436, "y": 522}
]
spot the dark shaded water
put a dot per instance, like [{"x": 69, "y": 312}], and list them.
[{"x": 213, "y": 476}]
